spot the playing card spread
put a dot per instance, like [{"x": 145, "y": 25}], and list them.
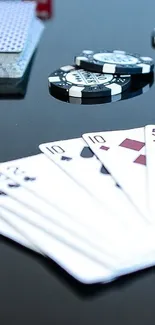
[
  {"x": 68, "y": 258},
  {"x": 43, "y": 173},
  {"x": 61, "y": 207},
  {"x": 80, "y": 163},
  {"x": 112, "y": 255},
  {"x": 51, "y": 221},
  {"x": 102, "y": 242},
  {"x": 44, "y": 242},
  {"x": 17, "y": 68},
  {"x": 123, "y": 154},
  {"x": 15, "y": 22},
  {"x": 65, "y": 194}
]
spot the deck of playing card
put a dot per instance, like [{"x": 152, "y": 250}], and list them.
[
  {"x": 19, "y": 37},
  {"x": 87, "y": 203}
]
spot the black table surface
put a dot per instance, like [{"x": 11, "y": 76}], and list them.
[{"x": 32, "y": 290}]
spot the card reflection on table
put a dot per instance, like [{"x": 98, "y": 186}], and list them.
[{"x": 15, "y": 88}]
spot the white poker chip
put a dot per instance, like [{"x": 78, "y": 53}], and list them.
[
  {"x": 75, "y": 82},
  {"x": 114, "y": 62}
]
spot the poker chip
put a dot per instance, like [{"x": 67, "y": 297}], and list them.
[
  {"x": 84, "y": 100},
  {"x": 138, "y": 87},
  {"x": 75, "y": 82},
  {"x": 114, "y": 62}
]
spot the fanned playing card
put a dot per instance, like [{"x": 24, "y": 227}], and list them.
[
  {"x": 129, "y": 258},
  {"x": 44, "y": 179},
  {"x": 53, "y": 221},
  {"x": 76, "y": 159},
  {"x": 44, "y": 242},
  {"x": 123, "y": 154},
  {"x": 75, "y": 263},
  {"x": 111, "y": 252}
]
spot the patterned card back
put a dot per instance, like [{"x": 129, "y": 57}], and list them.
[
  {"x": 15, "y": 21},
  {"x": 17, "y": 69}
]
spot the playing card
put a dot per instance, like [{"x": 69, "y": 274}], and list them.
[
  {"x": 48, "y": 182},
  {"x": 10, "y": 229},
  {"x": 104, "y": 231},
  {"x": 79, "y": 162},
  {"x": 150, "y": 163},
  {"x": 30, "y": 236},
  {"x": 123, "y": 154},
  {"x": 55, "y": 223},
  {"x": 142, "y": 257},
  {"x": 111, "y": 238},
  {"x": 18, "y": 67},
  {"x": 15, "y": 22},
  {"x": 36, "y": 221},
  {"x": 76, "y": 264},
  {"x": 27, "y": 233}
]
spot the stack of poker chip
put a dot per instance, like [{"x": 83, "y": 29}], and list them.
[{"x": 103, "y": 76}]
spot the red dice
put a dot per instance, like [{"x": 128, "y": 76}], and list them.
[{"x": 44, "y": 8}]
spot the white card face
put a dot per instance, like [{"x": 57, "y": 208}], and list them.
[
  {"x": 79, "y": 162},
  {"x": 119, "y": 266},
  {"x": 9, "y": 229},
  {"x": 19, "y": 229},
  {"x": 123, "y": 154},
  {"x": 18, "y": 67},
  {"x": 15, "y": 21},
  {"x": 44, "y": 178},
  {"x": 76, "y": 264},
  {"x": 104, "y": 236},
  {"x": 58, "y": 225},
  {"x": 150, "y": 163},
  {"x": 41, "y": 239}
]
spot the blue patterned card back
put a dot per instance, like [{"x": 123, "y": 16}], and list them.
[
  {"x": 18, "y": 67},
  {"x": 15, "y": 21}
]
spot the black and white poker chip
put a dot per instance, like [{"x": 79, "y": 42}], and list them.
[
  {"x": 84, "y": 100},
  {"x": 75, "y": 82},
  {"x": 139, "y": 86},
  {"x": 114, "y": 62}
]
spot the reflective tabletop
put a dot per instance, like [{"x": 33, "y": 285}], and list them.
[{"x": 34, "y": 290}]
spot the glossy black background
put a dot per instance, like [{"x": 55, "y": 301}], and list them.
[{"x": 33, "y": 291}]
